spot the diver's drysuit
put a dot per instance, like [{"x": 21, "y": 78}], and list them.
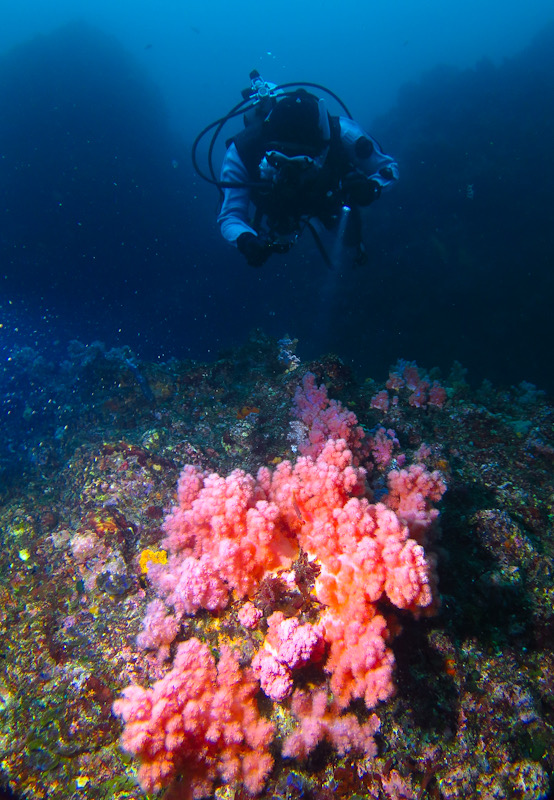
[{"x": 298, "y": 164}]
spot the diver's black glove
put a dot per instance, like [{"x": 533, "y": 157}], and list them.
[
  {"x": 255, "y": 251},
  {"x": 360, "y": 190}
]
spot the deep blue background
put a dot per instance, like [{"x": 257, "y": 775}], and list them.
[{"x": 106, "y": 232}]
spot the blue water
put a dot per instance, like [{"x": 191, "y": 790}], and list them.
[{"x": 107, "y": 233}]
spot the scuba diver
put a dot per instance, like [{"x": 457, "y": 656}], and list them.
[{"x": 298, "y": 167}]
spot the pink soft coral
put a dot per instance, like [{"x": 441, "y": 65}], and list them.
[
  {"x": 224, "y": 536},
  {"x": 200, "y": 718},
  {"x": 360, "y": 662},
  {"x": 288, "y": 646},
  {"x": 412, "y": 492},
  {"x": 364, "y": 551},
  {"x": 318, "y": 722},
  {"x": 159, "y": 629},
  {"x": 323, "y": 418}
]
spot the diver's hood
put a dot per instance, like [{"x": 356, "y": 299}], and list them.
[
  {"x": 298, "y": 135},
  {"x": 298, "y": 125}
]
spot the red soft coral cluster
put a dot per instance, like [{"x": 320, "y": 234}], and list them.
[
  {"x": 323, "y": 419},
  {"x": 421, "y": 391},
  {"x": 320, "y": 721},
  {"x": 365, "y": 552},
  {"x": 288, "y": 646},
  {"x": 225, "y": 535},
  {"x": 200, "y": 719}
]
